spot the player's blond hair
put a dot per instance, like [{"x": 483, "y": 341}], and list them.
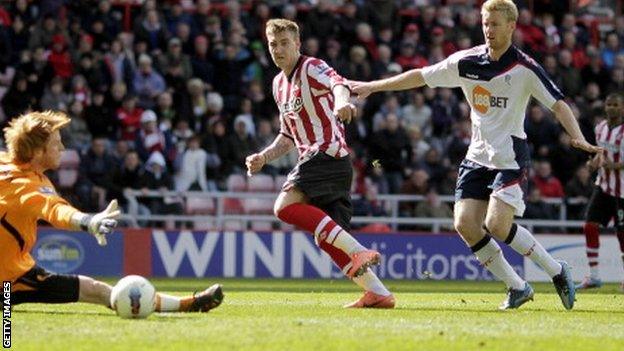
[
  {"x": 507, "y": 7},
  {"x": 30, "y": 132},
  {"x": 279, "y": 25}
]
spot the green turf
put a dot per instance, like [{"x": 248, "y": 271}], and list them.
[{"x": 307, "y": 315}]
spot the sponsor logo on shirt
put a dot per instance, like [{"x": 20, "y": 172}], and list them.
[
  {"x": 482, "y": 100},
  {"x": 292, "y": 107}
]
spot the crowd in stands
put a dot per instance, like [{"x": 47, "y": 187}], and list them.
[{"x": 175, "y": 94}]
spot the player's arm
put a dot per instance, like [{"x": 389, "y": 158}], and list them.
[
  {"x": 280, "y": 146},
  {"x": 406, "y": 80},
  {"x": 42, "y": 202},
  {"x": 564, "y": 115},
  {"x": 343, "y": 109},
  {"x": 98, "y": 224}
]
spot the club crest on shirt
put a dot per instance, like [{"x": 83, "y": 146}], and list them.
[{"x": 47, "y": 190}]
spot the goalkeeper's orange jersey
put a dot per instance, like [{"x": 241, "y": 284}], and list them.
[{"x": 26, "y": 196}]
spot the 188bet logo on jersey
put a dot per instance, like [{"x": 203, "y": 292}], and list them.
[{"x": 482, "y": 100}]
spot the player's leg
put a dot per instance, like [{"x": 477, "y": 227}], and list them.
[
  {"x": 619, "y": 226},
  {"x": 94, "y": 291},
  {"x": 469, "y": 215},
  {"x": 499, "y": 222},
  {"x": 40, "y": 286},
  {"x": 471, "y": 200},
  {"x": 292, "y": 206},
  {"x": 599, "y": 212},
  {"x": 203, "y": 301},
  {"x": 376, "y": 295}
]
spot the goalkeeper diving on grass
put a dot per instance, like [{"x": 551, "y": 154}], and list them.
[{"x": 26, "y": 195}]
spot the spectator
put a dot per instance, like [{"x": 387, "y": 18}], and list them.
[
  {"x": 358, "y": 67},
  {"x": 129, "y": 117},
  {"x": 96, "y": 167},
  {"x": 239, "y": 145},
  {"x": 54, "y": 98},
  {"x": 165, "y": 111},
  {"x": 368, "y": 205},
  {"x": 147, "y": 83},
  {"x": 18, "y": 98},
  {"x": 433, "y": 207},
  {"x": 536, "y": 208},
  {"x": 174, "y": 62},
  {"x": 192, "y": 172},
  {"x": 419, "y": 146},
  {"x": 578, "y": 192},
  {"x": 157, "y": 178},
  {"x": 416, "y": 184},
  {"x": 391, "y": 146},
  {"x": 612, "y": 48},
  {"x": 549, "y": 185},
  {"x": 541, "y": 131},
  {"x": 417, "y": 113},
  {"x": 76, "y": 135},
  {"x": 151, "y": 30},
  {"x": 200, "y": 61},
  {"x": 565, "y": 159},
  {"x": 150, "y": 139},
  {"x": 60, "y": 59},
  {"x": 130, "y": 176}
]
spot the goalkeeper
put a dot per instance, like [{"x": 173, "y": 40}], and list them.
[{"x": 27, "y": 195}]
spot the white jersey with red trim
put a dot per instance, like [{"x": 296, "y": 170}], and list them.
[
  {"x": 611, "y": 181},
  {"x": 498, "y": 93},
  {"x": 306, "y": 105}
]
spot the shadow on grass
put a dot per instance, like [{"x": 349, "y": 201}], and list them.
[
  {"x": 157, "y": 317},
  {"x": 67, "y": 313}
]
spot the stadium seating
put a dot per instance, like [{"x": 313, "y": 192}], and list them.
[
  {"x": 261, "y": 183},
  {"x": 199, "y": 205},
  {"x": 258, "y": 206},
  {"x": 279, "y": 182},
  {"x": 236, "y": 182}
]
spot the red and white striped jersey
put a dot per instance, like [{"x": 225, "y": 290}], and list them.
[
  {"x": 306, "y": 105},
  {"x": 611, "y": 181}
]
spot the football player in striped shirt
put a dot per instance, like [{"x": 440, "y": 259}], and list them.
[
  {"x": 498, "y": 81},
  {"x": 313, "y": 101},
  {"x": 607, "y": 201}
]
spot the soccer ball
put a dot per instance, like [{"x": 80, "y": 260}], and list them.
[{"x": 133, "y": 297}]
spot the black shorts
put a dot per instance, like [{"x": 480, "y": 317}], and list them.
[
  {"x": 326, "y": 181},
  {"x": 475, "y": 181},
  {"x": 39, "y": 285},
  {"x": 604, "y": 207}
]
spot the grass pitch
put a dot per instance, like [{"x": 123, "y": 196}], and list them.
[{"x": 307, "y": 315}]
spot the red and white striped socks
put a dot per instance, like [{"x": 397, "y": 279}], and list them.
[
  {"x": 332, "y": 239},
  {"x": 592, "y": 241}
]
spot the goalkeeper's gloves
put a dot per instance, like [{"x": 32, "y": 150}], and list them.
[{"x": 102, "y": 223}]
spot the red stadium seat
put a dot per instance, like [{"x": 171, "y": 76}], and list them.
[
  {"x": 199, "y": 205},
  {"x": 261, "y": 182},
  {"x": 287, "y": 227},
  {"x": 203, "y": 224},
  {"x": 233, "y": 225},
  {"x": 236, "y": 182},
  {"x": 279, "y": 182},
  {"x": 261, "y": 226},
  {"x": 232, "y": 206},
  {"x": 258, "y": 206}
]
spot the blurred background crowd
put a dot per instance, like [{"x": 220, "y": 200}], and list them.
[{"x": 175, "y": 94}]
